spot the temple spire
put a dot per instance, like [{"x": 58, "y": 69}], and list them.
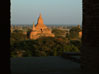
[
  {"x": 33, "y": 26},
  {"x": 40, "y": 20}
]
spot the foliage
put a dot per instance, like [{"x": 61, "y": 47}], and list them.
[
  {"x": 76, "y": 43},
  {"x": 74, "y": 33},
  {"x": 58, "y": 32},
  {"x": 45, "y": 46},
  {"x": 17, "y": 36}
]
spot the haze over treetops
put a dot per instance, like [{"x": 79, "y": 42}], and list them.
[{"x": 53, "y": 11}]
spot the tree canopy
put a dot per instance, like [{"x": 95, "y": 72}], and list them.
[{"x": 74, "y": 33}]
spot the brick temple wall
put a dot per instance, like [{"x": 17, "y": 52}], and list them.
[{"x": 90, "y": 37}]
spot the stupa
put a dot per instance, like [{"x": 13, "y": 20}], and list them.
[{"x": 40, "y": 30}]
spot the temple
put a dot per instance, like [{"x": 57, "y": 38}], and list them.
[{"x": 40, "y": 30}]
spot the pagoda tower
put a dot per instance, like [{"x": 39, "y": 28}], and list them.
[{"x": 40, "y": 30}]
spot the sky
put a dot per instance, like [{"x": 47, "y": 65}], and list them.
[{"x": 53, "y": 11}]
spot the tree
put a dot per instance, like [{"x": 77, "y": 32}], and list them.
[
  {"x": 74, "y": 33},
  {"x": 76, "y": 43},
  {"x": 17, "y": 36},
  {"x": 44, "y": 46},
  {"x": 58, "y": 32}
]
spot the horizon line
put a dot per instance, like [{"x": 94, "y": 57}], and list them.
[{"x": 48, "y": 24}]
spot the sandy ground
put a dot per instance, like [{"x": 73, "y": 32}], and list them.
[{"x": 44, "y": 65}]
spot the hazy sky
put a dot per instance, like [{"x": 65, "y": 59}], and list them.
[{"x": 53, "y": 11}]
